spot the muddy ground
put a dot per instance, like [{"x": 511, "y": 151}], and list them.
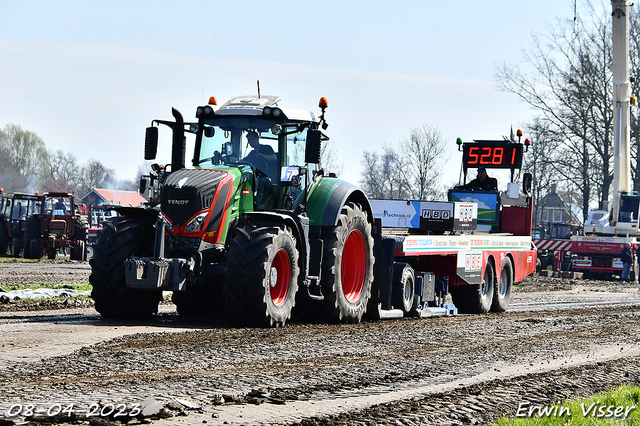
[{"x": 559, "y": 339}]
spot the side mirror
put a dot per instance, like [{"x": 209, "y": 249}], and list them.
[
  {"x": 312, "y": 151},
  {"x": 527, "y": 179},
  {"x": 151, "y": 143},
  {"x": 142, "y": 188},
  {"x": 228, "y": 149}
]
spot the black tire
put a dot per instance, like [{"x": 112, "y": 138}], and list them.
[
  {"x": 34, "y": 249},
  {"x": 15, "y": 247},
  {"x": 502, "y": 293},
  {"x": 347, "y": 266},
  {"x": 204, "y": 300},
  {"x": 80, "y": 229},
  {"x": 261, "y": 275},
  {"x": 403, "y": 292},
  {"x": 4, "y": 236},
  {"x": 78, "y": 252},
  {"x": 475, "y": 299},
  {"x": 117, "y": 240},
  {"x": 32, "y": 231}
]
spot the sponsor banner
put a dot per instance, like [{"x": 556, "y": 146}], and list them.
[
  {"x": 426, "y": 215},
  {"x": 454, "y": 243}
]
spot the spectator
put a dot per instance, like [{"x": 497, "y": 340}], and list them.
[{"x": 626, "y": 256}]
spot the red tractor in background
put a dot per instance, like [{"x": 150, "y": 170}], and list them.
[{"x": 56, "y": 225}]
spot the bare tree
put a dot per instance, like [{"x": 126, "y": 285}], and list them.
[
  {"x": 570, "y": 87},
  {"x": 24, "y": 151},
  {"x": 64, "y": 173},
  {"x": 540, "y": 162},
  {"x": 410, "y": 170},
  {"x": 94, "y": 175},
  {"x": 371, "y": 181},
  {"x": 423, "y": 151},
  {"x": 10, "y": 177},
  {"x": 329, "y": 158}
]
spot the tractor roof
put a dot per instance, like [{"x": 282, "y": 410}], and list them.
[{"x": 254, "y": 106}]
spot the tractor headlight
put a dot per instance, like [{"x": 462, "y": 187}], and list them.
[{"x": 195, "y": 224}]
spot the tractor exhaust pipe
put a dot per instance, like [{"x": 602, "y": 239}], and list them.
[{"x": 178, "y": 147}]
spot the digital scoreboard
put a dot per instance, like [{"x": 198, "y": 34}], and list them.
[{"x": 495, "y": 155}]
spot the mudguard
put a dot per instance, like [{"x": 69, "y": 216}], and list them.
[{"x": 327, "y": 197}]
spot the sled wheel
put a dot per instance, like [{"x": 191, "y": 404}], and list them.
[{"x": 502, "y": 294}]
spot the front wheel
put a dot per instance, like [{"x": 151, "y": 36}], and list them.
[
  {"x": 261, "y": 275},
  {"x": 118, "y": 240},
  {"x": 204, "y": 300},
  {"x": 347, "y": 266}
]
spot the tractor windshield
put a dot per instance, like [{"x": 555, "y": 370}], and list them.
[
  {"x": 240, "y": 141},
  {"x": 250, "y": 140},
  {"x": 57, "y": 206}
]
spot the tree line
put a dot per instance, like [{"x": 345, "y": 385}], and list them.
[
  {"x": 410, "y": 169},
  {"x": 566, "y": 80},
  {"x": 27, "y": 165}
]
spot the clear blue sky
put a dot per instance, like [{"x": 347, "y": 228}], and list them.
[{"x": 89, "y": 76}]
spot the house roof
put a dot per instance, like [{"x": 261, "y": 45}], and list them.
[{"x": 117, "y": 197}]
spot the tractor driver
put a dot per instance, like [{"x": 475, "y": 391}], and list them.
[
  {"x": 483, "y": 182},
  {"x": 59, "y": 207},
  {"x": 264, "y": 159},
  {"x": 261, "y": 156}
]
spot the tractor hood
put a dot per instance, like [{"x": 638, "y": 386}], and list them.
[{"x": 189, "y": 191}]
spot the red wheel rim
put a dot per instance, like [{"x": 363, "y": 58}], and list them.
[
  {"x": 279, "y": 277},
  {"x": 354, "y": 266}
]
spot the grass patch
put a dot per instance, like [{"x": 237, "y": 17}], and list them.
[
  {"x": 10, "y": 259},
  {"x": 620, "y": 406}
]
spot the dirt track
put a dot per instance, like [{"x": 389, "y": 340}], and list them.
[{"x": 559, "y": 339}]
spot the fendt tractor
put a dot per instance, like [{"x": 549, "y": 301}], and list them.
[{"x": 257, "y": 233}]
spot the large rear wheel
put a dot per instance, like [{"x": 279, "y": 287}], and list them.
[
  {"x": 261, "y": 275},
  {"x": 117, "y": 240},
  {"x": 347, "y": 266}
]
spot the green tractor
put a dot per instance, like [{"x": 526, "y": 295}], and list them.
[{"x": 253, "y": 233}]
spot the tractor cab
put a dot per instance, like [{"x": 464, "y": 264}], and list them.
[
  {"x": 498, "y": 211},
  {"x": 276, "y": 143}
]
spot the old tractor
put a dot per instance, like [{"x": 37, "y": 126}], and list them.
[
  {"x": 253, "y": 229},
  {"x": 56, "y": 225},
  {"x": 16, "y": 207}
]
